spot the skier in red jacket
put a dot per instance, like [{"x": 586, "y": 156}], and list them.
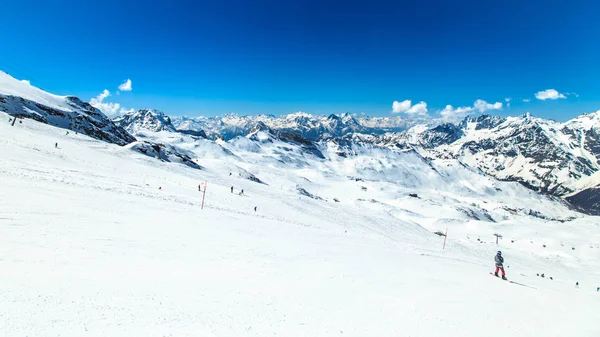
[{"x": 499, "y": 264}]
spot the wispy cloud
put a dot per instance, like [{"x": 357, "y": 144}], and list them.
[
  {"x": 507, "y": 100},
  {"x": 549, "y": 94},
  {"x": 483, "y": 106},
  {"x": 479, "y": 106},
  {"x": 108, "y": 108},
  {"x": 98, "y": 99},
  {"x": 462, "y": 111},
  {"x": 126, "y": 86},
  {"x": 407, "y": 107},
  {"x": 526, "y": 100},
  {"x": 26, "y": 82}
]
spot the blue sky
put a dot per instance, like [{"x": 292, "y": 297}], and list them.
[{"x": 268, "y": 56}]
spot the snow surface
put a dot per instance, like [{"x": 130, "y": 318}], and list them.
[{"x": 100, "y": 240}]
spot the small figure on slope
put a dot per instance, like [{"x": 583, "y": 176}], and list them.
[{"x": 499, "y": 264}]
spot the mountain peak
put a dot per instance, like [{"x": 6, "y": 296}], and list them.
[
  {"x": 260, "y": 126},
  {"x": 145, "y": 119},
  {"x": 585, "y": 121}
]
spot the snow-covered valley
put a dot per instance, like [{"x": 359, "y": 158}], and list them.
[{"x": 102, "y": 240}]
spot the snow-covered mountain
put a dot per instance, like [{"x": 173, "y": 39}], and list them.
[
  {"x": 152, "y": 120},
  {"x": 147, "y": 119},
  {"x": 306, "y": 125},
  {"x": 22, "y": 100},
  {"x": 544, "y": 155}
]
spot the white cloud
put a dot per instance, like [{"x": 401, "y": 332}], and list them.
[
  {"x": 126, "y": 86},
  {"x": 98, "y": 99},
  {"x": 407, "y": 107},
  {"x": 526, "y": 100},
  {"x": 126, "y": 111},
  {"x": 108, "y": 108},
  {"x": 479, "y": 105},
  {"x": 398, "y": 107},
  {"x": 549, "y": 94},
  {"x": 508, "y": 99},
  {"x": 26, "y": 82},
  {"x": 483, "y": 106},
  {"x": 462, "y": 111},
  {"x": 418, "y": 109}
]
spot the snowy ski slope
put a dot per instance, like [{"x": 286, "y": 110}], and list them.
[{"x": 100, "y": 240}]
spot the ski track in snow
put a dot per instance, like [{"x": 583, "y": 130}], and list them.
[{"x": 90, "y": 246}]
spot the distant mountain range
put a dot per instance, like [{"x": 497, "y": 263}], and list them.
[
  {"x": 560, "y": 159},
  {"x": 308, "y": 126}
]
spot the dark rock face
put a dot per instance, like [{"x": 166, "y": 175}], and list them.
[
  {"x": 165, "y": 153},
  {"x": 306, "y": 145},
  {"x": 587, "y": 200},
  {"x": 442, "y": 134},
  {"x": 81, "y": 117},
  {"x": 193, "y": 133}
]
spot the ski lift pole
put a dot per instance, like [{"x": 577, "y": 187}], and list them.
[
  {"x": 204, "y": 194},
  {"x": 445, "y": 236}
]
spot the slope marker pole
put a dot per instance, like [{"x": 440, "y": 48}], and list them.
[
  {"x": 445, "y": 236},
  {"x": 204, "y": 194}
]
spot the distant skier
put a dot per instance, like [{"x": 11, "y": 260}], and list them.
[
  {"x": 499, "y": 264},
  {"x": 55, "y": 145},
  {"x": 242, "y": 192},
  {"x": 255, "y": 208},
  {"x": 231, "y": 189}
]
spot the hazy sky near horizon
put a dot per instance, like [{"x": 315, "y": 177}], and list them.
[{"x": 413, "y": 58}]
